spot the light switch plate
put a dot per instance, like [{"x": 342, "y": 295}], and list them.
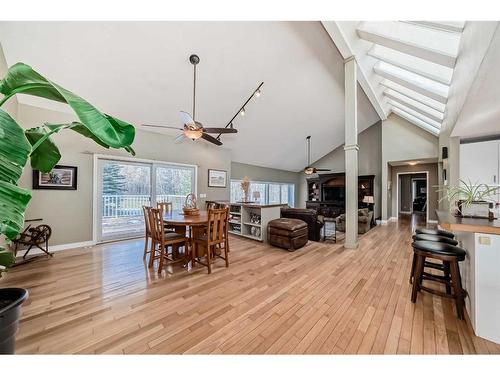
[
  {"x": 203, "y": 195},
  {"x": 485, "y": 240}
]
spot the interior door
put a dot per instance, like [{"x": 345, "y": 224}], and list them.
[{"x": 123, "y": 188}]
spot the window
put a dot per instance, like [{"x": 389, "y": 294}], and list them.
[{"x": 270, "y": 192}]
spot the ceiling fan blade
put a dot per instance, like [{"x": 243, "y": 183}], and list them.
[
  {"x": 220, "y": 130},
  {"x": 162, "y": 126},
  {"x": 322, "y": 170},
  {"x": 187, "y": 119},
  {"x": 180, "y": 138},
  {"x": 211, "y": 139}
]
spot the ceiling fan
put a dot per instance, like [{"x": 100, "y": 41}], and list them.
[
  {"x": 193, "y": 129},
  {"x": 311, "y": 170}
]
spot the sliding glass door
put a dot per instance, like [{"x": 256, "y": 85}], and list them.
[{"x": 123, "y": 187}]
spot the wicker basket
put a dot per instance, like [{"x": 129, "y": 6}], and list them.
[{"x": 191, "y": 211}]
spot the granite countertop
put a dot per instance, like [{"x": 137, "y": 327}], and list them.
[{"x": 467, "y": 224}]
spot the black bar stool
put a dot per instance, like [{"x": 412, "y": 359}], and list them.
[
  {"x": 441, "y": 267},
  {"x": 448, "y": 254},
  {"x": 435, "y": 232}
]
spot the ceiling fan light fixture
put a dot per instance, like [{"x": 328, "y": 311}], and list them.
[
  {"x": 193, "y": 133},
  {"x": 308, "y": 170},
  {"x": 257, "y": 93},
  {"x": 242, "y": 112}
]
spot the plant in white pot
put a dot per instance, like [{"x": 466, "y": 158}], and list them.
[
  {"x": 17, "y": 146},
  {"x": 469, "y": 199}
]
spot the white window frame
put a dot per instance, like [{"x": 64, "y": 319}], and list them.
[
  {"x": 95, "y": 182},
  {"x": 267, "y": 183}
]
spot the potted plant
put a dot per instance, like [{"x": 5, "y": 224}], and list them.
[
  {"x": 18, "y": 145},
  {"x": 468, "y": 199}
]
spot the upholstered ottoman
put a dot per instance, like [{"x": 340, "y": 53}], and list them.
[{"x": 290, "y": 234}]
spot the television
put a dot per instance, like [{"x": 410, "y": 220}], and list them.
[{"x": 333, "y": 193}]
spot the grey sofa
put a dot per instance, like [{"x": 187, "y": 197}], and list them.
[{"x": 364, "y": 221}]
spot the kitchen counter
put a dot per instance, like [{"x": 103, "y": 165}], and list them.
[
  {"x": 465, "y": 224},
  {"x": 480, "y": 271}
]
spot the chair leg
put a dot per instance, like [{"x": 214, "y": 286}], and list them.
[
  {"x": 226, "y": 253},
  {"x": 413, "y": 263},
  {"x": 209, "y": 259},
  {"x": 447, "y": 274},
  {"x": 146, "y": 243},
  {"x": 152, "y": 252},
  {"x": 457, "y": 289},
  {"x": 417, "y": 279},
  {"x": 163, "y": 254}
]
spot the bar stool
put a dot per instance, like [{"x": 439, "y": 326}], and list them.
[
  {"x": 441, "y": 267},
  {"x": 448, "y": 254},
  {"x": 435, "y": 232}
]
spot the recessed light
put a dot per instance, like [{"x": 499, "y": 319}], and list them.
[{"x": 413, "y": 162}]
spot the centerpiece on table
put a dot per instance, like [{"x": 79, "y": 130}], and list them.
[
  {"x": 190, "y": 206},
  {"x": 245, "y": 187}
]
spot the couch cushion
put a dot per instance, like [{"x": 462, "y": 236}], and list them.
[
  {"x": 363, "y": 212},
  {"x": 287, "y": 224}
]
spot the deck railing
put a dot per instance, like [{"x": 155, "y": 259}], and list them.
[{"x": 131, "y": 205}]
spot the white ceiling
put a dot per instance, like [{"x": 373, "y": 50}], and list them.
[
  {"x": 140, "y": 72},
  {"x": 480, "y": 115}
]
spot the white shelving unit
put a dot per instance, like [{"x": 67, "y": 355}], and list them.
[{"x": 244, "y": 227}]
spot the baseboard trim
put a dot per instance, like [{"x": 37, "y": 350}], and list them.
[
  {"x": 384, "y": 222},
  {"x": 393, "y": 218},
  {"x": 53, "y": 249},
  {"x": 432, "y": 221}
]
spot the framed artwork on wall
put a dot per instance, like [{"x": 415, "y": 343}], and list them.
[
  {"x": 217, "y": 178},
  {"x": 62, "y": 177}
]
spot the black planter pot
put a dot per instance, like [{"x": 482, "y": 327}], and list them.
[{"x": 11, "y": 300}]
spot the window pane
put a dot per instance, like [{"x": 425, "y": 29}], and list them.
[
  {"x": 236, "y": 192},
  {"x": 284, "y": 194},
  {"x": 274, "y": 193},
  {"x": 173, "y": 184},
  {"x": 258, "y": 187},
  {"x": 291, "y": 195}
]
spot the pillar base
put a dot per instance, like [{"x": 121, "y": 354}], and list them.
[{"x": 351, "y": 246}]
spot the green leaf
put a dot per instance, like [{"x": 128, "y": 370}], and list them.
[
  {"x": 46, "y": 155},
  {"x": 13, "y": 202},
  {"x": 112, "y": 132},
  {"x": 14, "y": 149},
  {"x": 7, "y": 258}
]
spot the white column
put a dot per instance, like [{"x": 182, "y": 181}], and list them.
[{"x": 351, "y": 154}]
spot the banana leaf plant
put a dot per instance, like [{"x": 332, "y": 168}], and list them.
[{"x": 18, "y": 145}]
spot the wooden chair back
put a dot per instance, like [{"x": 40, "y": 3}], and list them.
[
  {"x": 217, "y": 229},
  {"x": 147, "y": 223},
  {"x": 166, "y": 207},
  {"x": 211, "y": 206},
  {"x": 156, "y": 224}
]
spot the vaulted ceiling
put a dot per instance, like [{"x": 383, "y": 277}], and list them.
[
  {"x": 419, "y": 70},
  {"x": 139, "y": 71}
]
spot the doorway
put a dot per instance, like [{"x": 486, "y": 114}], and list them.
[
  {"x": 412, "y": 194},
  {"x": 123, "y": 187}
]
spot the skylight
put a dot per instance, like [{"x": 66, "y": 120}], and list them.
[
  {"x": 414, "y": 113},
  {"x": 415, "y": 105},
  {"x": 416, "y": 82},
  {"x": 438, "y": 106},
  {"x": 416, "y": 121}
]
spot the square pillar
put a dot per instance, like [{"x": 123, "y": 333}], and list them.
[{"x": 351, "y": 149}]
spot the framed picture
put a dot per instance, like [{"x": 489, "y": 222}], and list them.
[
  {"x": 217, "y": 178},
  {"x": 62, "y": 177}
]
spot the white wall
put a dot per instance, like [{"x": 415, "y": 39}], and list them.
[
  {"x": 69, "y": 213},
  {"x": 402, "y": 141},
  {"x": 370, "y": 159}
]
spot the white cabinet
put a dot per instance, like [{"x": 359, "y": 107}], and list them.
[{"x": 480, "y": 162}]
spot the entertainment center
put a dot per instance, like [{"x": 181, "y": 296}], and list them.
[{"x": 326, "y": 193}]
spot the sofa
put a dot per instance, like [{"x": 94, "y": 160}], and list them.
[
  {"x": 313, "y": 221},
  {"x": 364, "y": 221}
]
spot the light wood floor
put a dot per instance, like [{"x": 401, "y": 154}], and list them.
[{"x": 319, "y": 299}]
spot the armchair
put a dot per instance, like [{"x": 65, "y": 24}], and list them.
[{"x": 314, "y": 222}]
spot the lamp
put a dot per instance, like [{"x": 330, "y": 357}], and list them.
[
  {"x": 368, "y": 199},
  {"x": 256, "y": 196}
]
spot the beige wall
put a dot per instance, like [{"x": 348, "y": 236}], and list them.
[
  {"x": 70, "y": 212},
  {"x": 432, "y": 199},
  {"x": 403, "y": 141},
  {"x": 256, "y": 173},
  {"x": 369, "y": 161}
]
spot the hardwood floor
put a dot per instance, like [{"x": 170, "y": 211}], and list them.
[{"x": 319, "y": 299}]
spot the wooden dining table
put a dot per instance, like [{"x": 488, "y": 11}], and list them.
[{"x": 192, "y": 223}]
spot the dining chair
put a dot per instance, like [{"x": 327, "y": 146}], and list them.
[
  {"x": 147, "y": 234},
  {"x": 215, "y": 239},
  {"x": 162, "y": 240}
]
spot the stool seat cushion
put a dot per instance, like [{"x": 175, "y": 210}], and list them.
[
  {"x": 436, "y": 232},
  {"x": 440, "y": 248},
  {"x": 431, "y": 237}
]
